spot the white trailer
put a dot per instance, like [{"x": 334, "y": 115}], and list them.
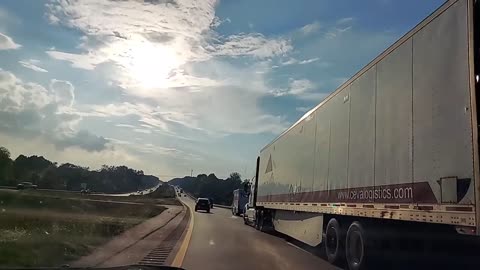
[{"x": 397, "y": 144}]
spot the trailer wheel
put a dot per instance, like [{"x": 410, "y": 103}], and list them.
[
  {"x": 261, "y": 223},
  {"x": 258, "y": 220},
  {"x": 334, "y": 241},
  {"x": 356, "y": 247}
]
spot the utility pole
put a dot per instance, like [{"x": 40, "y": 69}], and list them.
[{"x": 191, "y": 173}]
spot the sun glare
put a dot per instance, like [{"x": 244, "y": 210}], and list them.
[{"x": 151, "y": 65}]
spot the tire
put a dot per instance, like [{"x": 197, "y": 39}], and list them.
[
  {"x": 261, "y": 224},
  {"x": 334, "y": 242},
  {"x": 208, "y": 211},
  {"x": 356, "y": 251},
  {"x": 258, "y": 220}
]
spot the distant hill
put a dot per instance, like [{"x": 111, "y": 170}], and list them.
[
  {"x": 209, "y": 186},
  {"x": 179, "y": 181}
]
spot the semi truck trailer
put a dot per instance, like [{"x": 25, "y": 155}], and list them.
[{"x": 393, "y": 149}]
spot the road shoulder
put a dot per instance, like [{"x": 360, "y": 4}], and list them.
[{"x": 134, "y": 244}]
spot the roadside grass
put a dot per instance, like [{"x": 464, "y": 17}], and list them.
[
  {"x": 163, "y": 195},
  {"x": 47, "y": 231}
]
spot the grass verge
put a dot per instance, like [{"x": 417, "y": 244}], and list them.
[{"x": 51, "y": 231}]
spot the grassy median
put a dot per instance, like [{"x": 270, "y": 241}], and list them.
[{"x": 38, "y": 230}]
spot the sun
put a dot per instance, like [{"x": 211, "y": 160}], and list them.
[{"x": 151, "y": 64}]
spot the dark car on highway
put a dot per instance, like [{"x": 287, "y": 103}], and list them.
[
  {"x": 202, "y": 204},
  {"x": 26, "y": 185}
]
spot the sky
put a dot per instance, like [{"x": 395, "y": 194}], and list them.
[{"x": 175, "y": 86}]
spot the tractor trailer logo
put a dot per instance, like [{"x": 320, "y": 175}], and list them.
[{"x": 378, "y": 193}]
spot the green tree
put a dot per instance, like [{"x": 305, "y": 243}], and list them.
[
  {"x": 5, "y": 167},
  {"x": 51, "y": 179},
  {"x": 235, "y": 176},
  {"x": 221, "y": 191}
]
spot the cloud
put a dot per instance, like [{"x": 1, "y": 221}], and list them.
[
  {"x": 169, "y": 54},
  {"x": 82, "y": 139},
  {"x": 255, "y": 44},
  {"x": 7, "y": 43},
  {"x": 345, "y": 20},
  {"x": 301, "y": 89},
  {"x": 310, "y": 28},
  {"x": 335, "y": 32},
  {"x": 125, "y": 126},
  {"x": 217, "y": 22},
  {"x": 298, "y": 87},
  {"x": 31, "y": 64},
  {"x": 64, "y": 92},
  {"x": 302, "y": 109},
  {"x": 308, "y": 61},
  {"x": 28, "y": 110},
  {"x": 83, "y": 61},
  {"x": 142, "y": 130},
  {"x": 293, "y": 61}
]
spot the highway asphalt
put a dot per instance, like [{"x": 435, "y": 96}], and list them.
[{"x": 221, "y": 241}]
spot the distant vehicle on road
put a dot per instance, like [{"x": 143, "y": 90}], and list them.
[
  {"x": 202, "y": 204},
  {"x": 26, "y": 185},
  {"x": 240, "y": 198},
  {"x": 85, "y": 191}
]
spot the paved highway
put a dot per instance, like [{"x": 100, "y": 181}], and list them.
[{"x": 221, "y": 241}]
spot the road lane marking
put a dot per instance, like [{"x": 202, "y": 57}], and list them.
[
  {"x": 178, "y": 261},
  {"x": 211, "y": 243}
]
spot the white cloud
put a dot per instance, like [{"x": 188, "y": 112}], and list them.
[
  {"x": 16, "y": 96},
  {"x": 302, "y": 89},
  {"x": 125, "y": 125},
  {"x": 302, "y": 109},
  {"x": 255, "y": 44},
  {"x": 64, "y": 92},
  {"x": 168, "y": 53},
  {"x": 28, "y": 110},
  {"x": 308, "y": 61},
  {"x": 290, "y": 61},
  {"x": 217, "y": 22},
  {"x": 84, "y": 61},
  {"x": 335, "y": 32},
  {"x": 293, "y": 61},
  {"x": 310, "y": 28},
  {"x": 298, "y": 87},
  {"x": 32, "y": 64},
  {"x": 345, "y": 20},
  {"x": 7, "y": 43},
  {"x": 142, "y": 130},
  {"x": 295, "y": 88}
]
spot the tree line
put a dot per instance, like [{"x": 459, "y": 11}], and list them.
[
  {"x": 209, "y": 186},
  {"x": 49, "y": 175}
]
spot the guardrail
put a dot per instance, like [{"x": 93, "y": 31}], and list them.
[{"x": 223, "y": 206}]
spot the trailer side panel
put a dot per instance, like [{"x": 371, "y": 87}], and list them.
[{"x": 396, "y": 139}]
